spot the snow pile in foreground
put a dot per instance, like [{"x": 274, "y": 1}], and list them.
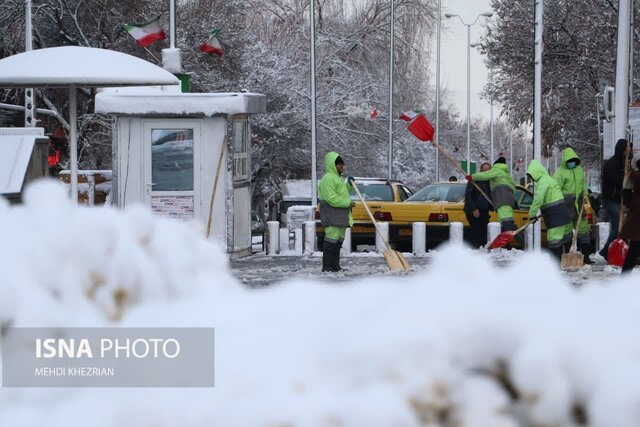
[{"x": 464, "y": 344}]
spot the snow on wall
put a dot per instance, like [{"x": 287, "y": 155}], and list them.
[{"x": 433, "y": 349}]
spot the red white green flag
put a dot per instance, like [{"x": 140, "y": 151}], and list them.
[
  {"x": 421, "y": 128},
  {"x": 146, "y": 34},
  {"x": 212, "y": 45},
  {"x": 410, "y": 115}
]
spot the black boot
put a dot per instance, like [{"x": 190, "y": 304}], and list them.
[
  {"x": 336, "y": 258},
  {"x": 327, "y": 256},
  {"x": 557, "y": 252},
  {"x": 586, "y": 249}
]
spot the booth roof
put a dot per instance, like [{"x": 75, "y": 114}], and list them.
[
  {"x": 81, "y": 66},
  {"x": 163, "y": 101}
]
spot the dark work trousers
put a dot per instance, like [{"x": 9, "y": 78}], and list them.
[
  {"x": 478, "y": 229},
  {"x": 632, "y": 256}
]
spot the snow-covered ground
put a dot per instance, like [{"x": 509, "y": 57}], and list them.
[{"x": 466, "y": 340}]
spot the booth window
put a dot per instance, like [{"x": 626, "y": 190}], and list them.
[
  {"x": 172, "y": 159},
  {"x": 240, "y": 150}
]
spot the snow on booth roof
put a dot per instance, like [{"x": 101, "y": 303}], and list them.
[
  {"x": 82, "y": 66},
  {"x": 161, "y": 100}
]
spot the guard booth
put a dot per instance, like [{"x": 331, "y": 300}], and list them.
[
  {"x": 168, "y": 149},
  {"x": 23, "y": 159}
]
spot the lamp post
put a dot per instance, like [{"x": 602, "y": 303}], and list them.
[{"x": 487, "y": 15}]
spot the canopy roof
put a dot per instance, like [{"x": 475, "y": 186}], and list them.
[{"x": 81, "y": 66}]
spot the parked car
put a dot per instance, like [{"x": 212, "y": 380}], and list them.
[
  {"x": 257, "y": 224},
  {"x": 440, "y": 204},
  {"x": 375, "y": 191}
]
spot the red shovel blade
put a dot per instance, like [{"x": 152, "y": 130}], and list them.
[
  {"x": 617, "y": 252},
  {"x": 502, "y": 239}
]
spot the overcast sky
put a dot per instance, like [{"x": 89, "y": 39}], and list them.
[{"x": 453, "y": 67}]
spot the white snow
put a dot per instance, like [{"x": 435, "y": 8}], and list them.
[
  {"x": 83, "y": 66},
  {"x": 404, "y": 350},
  {"x": 296, "y": 189},
  {"x": 160, "y": 101}
]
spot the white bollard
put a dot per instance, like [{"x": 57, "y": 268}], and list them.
[
  {"x": 284, "y": 240},
  {"x": 383, "y": 227},
  {"x": 528, "y": 238},
  {"x": 298, "y": 240},
  {"x": 419, "y": 233},
  {"x": 309, "y": 237},
  {"x": 493, "y": 229},
  {"x": 346, "y": 245},
  {"x": 273, "y": 228},
  {"x": 602, "y": 235},
  {"x": 456, "y": 233}
]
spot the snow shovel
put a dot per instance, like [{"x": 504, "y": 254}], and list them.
[
  {"x": 395, "y": 259},
  {"x": 506, "y": 237},
  {"x": 574, "y": 259},
  {"x": 618, "y": 248}
]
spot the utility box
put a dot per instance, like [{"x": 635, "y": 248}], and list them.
[
  {"x": 23, "y": 158},
  {"x": 169, "y": 148}
]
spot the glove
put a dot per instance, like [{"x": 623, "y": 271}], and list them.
[
  {"x": 353, "y": 204},
  {"x": 468, "y": 178},
  {"x": 534, "y": 219},
  {"x": 350, "y": 180}
]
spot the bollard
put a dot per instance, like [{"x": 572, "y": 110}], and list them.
[
  {"x": 273, "y": 228},
  {"x": 284, "y": 240},
  {"x": 419, "y": 238},
  {"x": 309, "y": 237},
  {"x": 346, "y": 245},
  {"x": 602, "y": 234},
  {"x": 493, "y": 229},
  {"x": 297, "y": 241},
  {"x": 383, "y": 227},
  {"x": 528, "y": 238},
  {"x": 456, "y": 233}
]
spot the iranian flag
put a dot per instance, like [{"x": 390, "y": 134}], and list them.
[
  {"x": 146, "y": 34},
  {"x": 410, "y": 115},
  {"x": 212, "y": 45}
]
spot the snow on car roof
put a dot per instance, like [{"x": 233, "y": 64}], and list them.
[{"x": 83, "y": 66}]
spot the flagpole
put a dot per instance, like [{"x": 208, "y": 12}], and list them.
[
  {"x": 312, "y": 49},
  {"x": 151, "y": 53},
  {"x": 391, "y": 95},
  {"x": 172, "y": 24},
  {"x": 437, "y": 135},
  {"x": 29, "y": 104}
]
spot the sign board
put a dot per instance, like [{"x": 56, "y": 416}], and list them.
[
  {"x": 297, "y": 215},
  {"x": 463, "y": 165}
]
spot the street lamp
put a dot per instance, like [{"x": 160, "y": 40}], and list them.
[{"x": 448, "y": 16}]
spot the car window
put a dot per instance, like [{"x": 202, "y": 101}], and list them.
[
  {"x": 377, "y": 192},
  {"x": 524, "y": 199},
  {"x": 439, "y": 193},
  {"x": 402, "y": 193},
  {"x": 406, "y": 190}
]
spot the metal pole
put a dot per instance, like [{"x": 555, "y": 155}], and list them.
[
  {"x": 491, "y": 118},
  {"x": 622, "y": 70},
  {"x": 631, "y": 51},
  {"x": 437, "y": 135},
  {"x": 312, "y": 30},
  {"x": 73, "y": 142},
  {"x": 29, "y": 104},
  {"x": 511, "y": 150},
  {"x": 537, "y": 104},
  {"x": 391, "y": 94},
  {"x": 468, "y": 99},
  {"x": 172, "y": 24}
]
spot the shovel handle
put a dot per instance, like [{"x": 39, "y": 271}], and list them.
[
  {"x": 366, "y": 207},
  {"x": 457, "y": 166}
]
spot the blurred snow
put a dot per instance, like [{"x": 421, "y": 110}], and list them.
[{"x": 462, "y": 343}]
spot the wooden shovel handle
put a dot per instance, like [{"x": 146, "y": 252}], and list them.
[
  {"x": 626, "y": 172},
  {"x": 457, "y": 166},
  {"x": 366, "y": 207}
]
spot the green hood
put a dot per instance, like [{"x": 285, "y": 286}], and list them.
[
  {"x": 330, "y": 162},
  {"x": 501, "y": 166},
  {"x": 569, "y": 154},
  {"x": 536, "y": 170}
]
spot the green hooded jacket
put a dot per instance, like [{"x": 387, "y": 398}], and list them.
[
  {"x": 501, "y": 183},
  {"x": 547, "y": 197},
  {"x": 571, "y": 181},
  {"x": 334, "y": 195}
]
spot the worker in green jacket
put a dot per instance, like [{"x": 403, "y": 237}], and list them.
[
  {"x": 570, "y": 178},
  {"x": 335, "y": 209},
  {"x": 548, "y": 198},
  {"x": 502, "y": 192}
]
